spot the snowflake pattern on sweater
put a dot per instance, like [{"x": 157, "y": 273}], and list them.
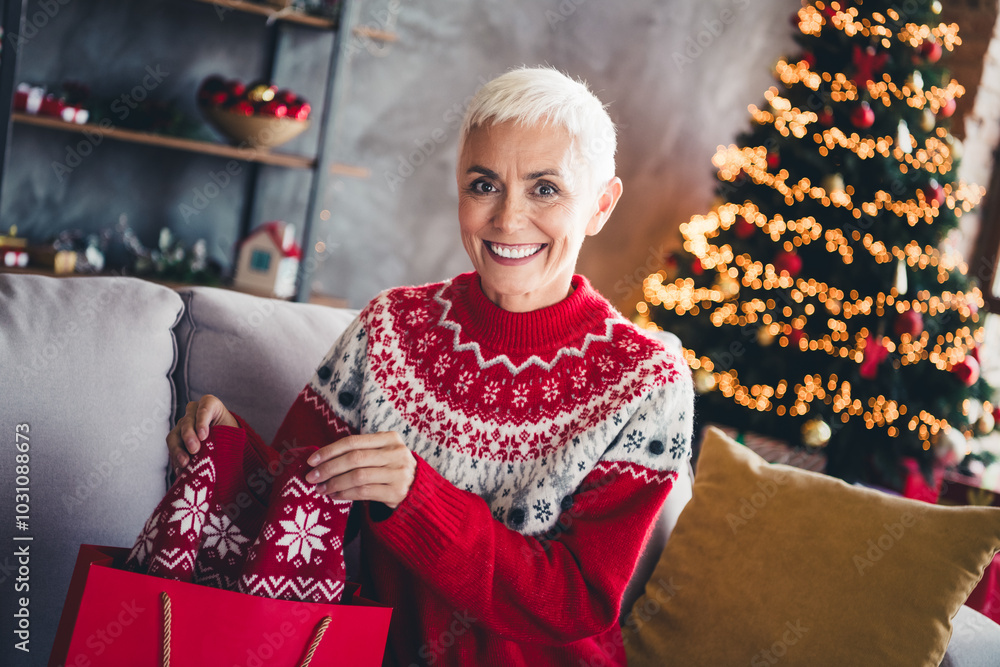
[{"x": 521, "y": 423}]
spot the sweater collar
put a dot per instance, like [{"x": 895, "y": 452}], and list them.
[{"x": 524, "y": 333}]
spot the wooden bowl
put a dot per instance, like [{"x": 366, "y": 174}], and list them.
[{"x": 254, "y": 131}]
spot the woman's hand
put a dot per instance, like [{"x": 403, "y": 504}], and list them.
[
  {"x": 374, "y": 466},
  {"x": 185, "y": 438}
]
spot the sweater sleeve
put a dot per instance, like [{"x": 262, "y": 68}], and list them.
[{"x": 522, "y": 585}]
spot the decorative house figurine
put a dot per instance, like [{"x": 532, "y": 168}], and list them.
[
  {"x": 13, "y": 250},
  {"x": 269, "y": 261}
]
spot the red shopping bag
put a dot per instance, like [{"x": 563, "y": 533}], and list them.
[{"x": 114, "y": 617}]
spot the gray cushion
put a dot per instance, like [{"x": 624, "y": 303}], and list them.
[
  {"x": 975, "y": 641},
  {"x": 254, "y": 354},
  {"x": 86, "y": 363}
]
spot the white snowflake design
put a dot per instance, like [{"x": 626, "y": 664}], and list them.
[
  {"x": 550, "y": 391},
  {"x": 520, "y": 396},
  {"x": 442, "y": 365},
  {"x": 223, "y": 535},
  {"x": 144, "y": 545},
  {"x": 190, "y": 509},
  {"x": 416, "y": 316},
  {"x": 490, "y": 392},
  {"x": 425, "y": 342},
  {"x": 464, "y": 382},
  {"x": 579, "y": 379},
  {"x": 303, "y": 534}
]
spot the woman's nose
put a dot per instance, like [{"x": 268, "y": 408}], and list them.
[{"x": 511, "y": 214}]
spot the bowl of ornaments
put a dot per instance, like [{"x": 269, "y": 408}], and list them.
[{"x": 255, "y": 115}]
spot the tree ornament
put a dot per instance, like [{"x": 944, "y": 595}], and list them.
[
  {"x": 966, "y": 370},
  {"x": 816, "y": 433},
  {"x": 696, "y": 267},
  {"x": 950, "y": 444},
  {"x": 900, "y": 284},
  {"x": 833, "y": 183},
  {"x": 996, "y": 415},
  {"x": 795, "y": 338},
  {"x": 903, "y": 138},
  {"x": 765, "y": 337},
  {"x": 930, "y": 50},
  {"x": 825, "y": 117},
  {"x": 808, "y": 58},
  {"x": 916, "y": 81},
  {"x": 773, "y": 160},
  {"x": 986, "y": 423},
  {"x": 670, "y": 266},
  {"x": 788, "y": 262},
  {"x": 909, "y": 322},
  {"x": 936, "y": 7},
  {"x": 933, "y": 193},
  {"x": 743, "y": 228},
  {"x": 948, "y": 108},
  {"x": 867, "y": 63},
  {"x": 873, "y": 356},
  {"x": 928, "y": 121},
  {"x": 704, "y": 381},
  {"x": 863, "y": 117}
]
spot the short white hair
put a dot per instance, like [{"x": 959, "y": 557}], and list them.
[{"x": 544, "y": 95}]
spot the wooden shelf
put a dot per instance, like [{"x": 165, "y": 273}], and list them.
[
  {"x": 260, "y": 155},
  {"x": 273, "y": 13}
]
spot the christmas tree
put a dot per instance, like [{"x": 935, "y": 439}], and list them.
[{"x": 818, "y": 301}]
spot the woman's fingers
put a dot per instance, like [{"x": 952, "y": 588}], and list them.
[
  {"x": 375, "y": 466},
  {"x": 184, "y": 440}
]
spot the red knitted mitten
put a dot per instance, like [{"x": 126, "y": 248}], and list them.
[{"x": 299, "y": 552}]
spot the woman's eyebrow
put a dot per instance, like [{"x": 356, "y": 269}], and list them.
[
  {"x": 477, "y": 169},
  {"x": 544, "y": 172}
]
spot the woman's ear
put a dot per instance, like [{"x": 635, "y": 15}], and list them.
[{"x": 606, "y": 203}]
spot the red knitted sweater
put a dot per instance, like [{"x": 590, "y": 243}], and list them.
[{"x": 546, "y": 443}]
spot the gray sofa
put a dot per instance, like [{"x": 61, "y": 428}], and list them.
[{"x": 100, "y": 368}]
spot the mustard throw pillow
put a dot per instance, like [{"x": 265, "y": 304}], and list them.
[{"x": 769, "y": 564}]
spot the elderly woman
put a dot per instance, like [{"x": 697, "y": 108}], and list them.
[{"x": 509, "y": 436}]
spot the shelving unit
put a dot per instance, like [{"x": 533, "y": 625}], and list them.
[
  {"x": 260, "y": 155},
  {"x": 324, "y": 114}
]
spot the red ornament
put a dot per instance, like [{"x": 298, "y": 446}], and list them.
[
  {"x": 866, "y": 63},
  {"x": 909, "y": 322},
  {"x": 931, "y": 51},
  {"x": 274, "y": 108},
  {"x": 996, "y": 415},
  {"x": 773, "y": 160},
  {"x": 826, "y": 117},
  {"x": 809, "y": 59},
  {"x": 789, "y": 262},
  {"x": 743, "y": 228},
  {"x": 934, "y": 193},
  {"x": 874, "y": 354},
  {"x": 796, "y": 336},
  {"x": 863, "y": 117},
  {"x": 948, "y": 108},
  {"x": 696, "y": 267},
  {"x": 974, "y": 353},
  {"x": 967, "y": 371}
]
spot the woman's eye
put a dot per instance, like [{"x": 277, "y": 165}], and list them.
[
  {"x": 482, "y": 187},
  {"x": 545, "y": 190}
]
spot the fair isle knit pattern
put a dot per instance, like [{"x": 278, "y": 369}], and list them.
[
  {"x": 545, "y": 444},
  {"x": 523, "y": 427}
]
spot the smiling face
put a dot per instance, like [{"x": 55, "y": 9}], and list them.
[{"x": 526, "y": 202}]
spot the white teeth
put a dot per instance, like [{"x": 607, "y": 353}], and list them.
[{"x": 515, "y": 253}]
